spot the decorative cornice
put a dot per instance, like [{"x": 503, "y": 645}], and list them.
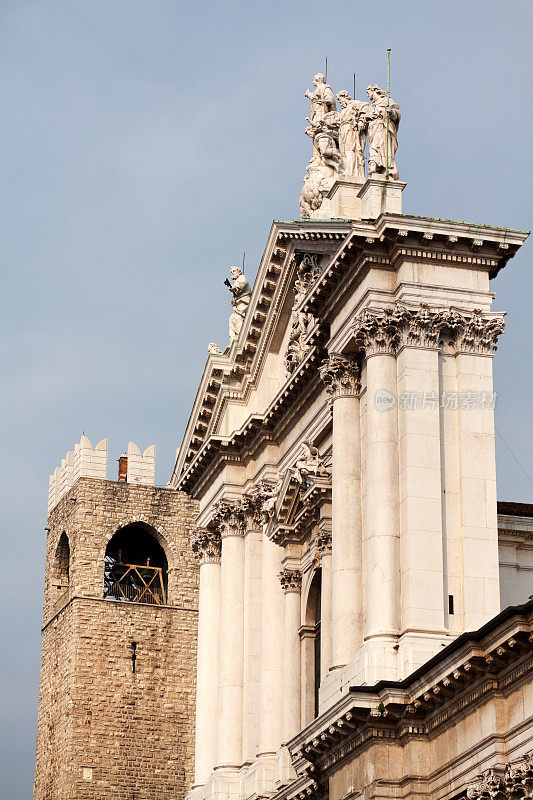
[
  {"x": 206, "y": 546},
  {"x": 229, "y": 518},
  {"x": 291, "y": 580},
  {"x": 341, "y": 375},
  {"x": 387, "y": 330}
]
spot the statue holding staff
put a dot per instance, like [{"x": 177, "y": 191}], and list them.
[
  {"x": 383, "y": 118},
  {"x": 352, "y": 135},
  {"x": 241, "y": 294}
]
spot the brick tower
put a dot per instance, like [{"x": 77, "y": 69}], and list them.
[{"x": 117, "y": 687}]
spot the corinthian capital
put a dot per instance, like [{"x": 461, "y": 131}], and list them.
[
  {"x": 378, "y": 330},
  {"x": 323, "y": 542},
  {"x": 341, "y": 375},
  {"x": 291, "y": 580},
  {"x": 480, "y": 334},
  {"x": 229, "y": 518},
  {"x": 206, "y": 546}
]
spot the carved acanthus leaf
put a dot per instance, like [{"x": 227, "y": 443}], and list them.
[
  {"x": 387, "y": 330},
  {"x": 229, "y": 518},
  {"x": 341, "y": 375},
  {"x": 206, "y": 546},
  {"x": 291, "y": 580}
]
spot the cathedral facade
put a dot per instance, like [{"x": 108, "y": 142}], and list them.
[{"x": 363, "y": 626}]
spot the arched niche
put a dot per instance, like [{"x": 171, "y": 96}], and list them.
[
  {"x": 136, "y": 566},
  {"x": 61, "y": 568}
]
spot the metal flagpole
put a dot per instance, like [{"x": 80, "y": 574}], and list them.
[
  {"x": 354, "y": 86},
  {"x": 388, "y": 103},
  {"x": 243, "y": 260},
  {"x": 326, "y": 76}
]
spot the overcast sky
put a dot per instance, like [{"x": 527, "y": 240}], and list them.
[{"x": 145, "y": 145}]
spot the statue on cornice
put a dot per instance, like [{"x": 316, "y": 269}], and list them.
[
  {"x": 309, "y": 465},
  {"x": 352, "y": 135},
  {"x": 241, "y": 294},
  {"x": 322, "y": 99},
  {"x": 382, "y": 144}
]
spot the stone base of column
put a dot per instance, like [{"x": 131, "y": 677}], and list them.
[
  {"x": 260, "y": 780},
  {"x": 223, "y": 784},
  {"x": 383, "y": 658},
  {"x": 285, "y": 772},
  {"x": 415, "y": 649}
]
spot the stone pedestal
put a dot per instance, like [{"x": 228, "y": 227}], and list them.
[
  {"x": 379, "y": 196},
  {"x": 342, "y": 201}
]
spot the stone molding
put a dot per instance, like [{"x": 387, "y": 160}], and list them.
[
  {"x": 229, "y": 518},
  {"x": 388, "y": 330},
  {"x": 291, "y": 580},
  {"x": 341, "y": 374},
  {"x": 515, "y": 781},
  {"x": 206, "y": 546}
]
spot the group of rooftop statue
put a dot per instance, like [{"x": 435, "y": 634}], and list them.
[{"x": 339, "y": 140}]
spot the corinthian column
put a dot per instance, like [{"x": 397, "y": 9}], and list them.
[
  {"x": 272, "y": 635},
  {"x": 341, "y": 376},
  {"x": 291, "y": 582},
  {"x": 231, "y": 650},
  {"x": 206, "y": 546},
  {"x": 378, "y": 334}
]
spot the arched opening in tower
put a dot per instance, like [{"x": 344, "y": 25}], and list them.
[{"x": 136, "y": 568}]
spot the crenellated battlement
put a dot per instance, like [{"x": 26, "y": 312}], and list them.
[
  {"x": 82, "y": 462},
  {"x": 141, "y": 467},
  {"x": 88, "y": 462}
]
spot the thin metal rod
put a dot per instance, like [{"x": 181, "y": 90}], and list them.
[
  {"x": 354, "y": 86},
  {"x": 326, "y": 76},
  {"x": 388, "y": 103},
  {"x": 243, "y": 260}
]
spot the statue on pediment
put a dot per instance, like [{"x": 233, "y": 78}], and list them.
[
  {"x": 383, "y": 118},
  {"x": 323, "y": 129},
  {"x": 352, "y": 135},
  {"x": 322, "y": 99},
  {"x": 241, "y": 295},
  {"x": 309, "y": 465}
]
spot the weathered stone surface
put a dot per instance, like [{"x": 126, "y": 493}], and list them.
[{"x": 105, "y": 731}]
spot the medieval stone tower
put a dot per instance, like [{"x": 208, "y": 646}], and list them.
[{"x": 117, "y": 688}]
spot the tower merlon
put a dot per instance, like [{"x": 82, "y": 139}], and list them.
[{"x": 82, "y": 462}]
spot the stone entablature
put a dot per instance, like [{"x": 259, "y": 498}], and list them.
[
  {"x": 477, "y": 669},
  {"x": 362, "y": 246}
]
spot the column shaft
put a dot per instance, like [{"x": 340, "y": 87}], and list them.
[
  {"x": 231, "y": 652},
  {"x": 272, "y": 636},
  {"x": 326, "y": 631},
  {"x": 291, "y": 662},
  {"x": 346, "y": 567},
  {"x": 207, "y": 672},
  {"x": 382, "y": 597}
]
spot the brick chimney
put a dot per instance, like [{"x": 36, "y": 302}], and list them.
[{"x": 123, "y": 467}]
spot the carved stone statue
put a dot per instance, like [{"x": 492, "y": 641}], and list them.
[
  {"x": 308, "y": 271},
  {"x": 240, "y": 301},
  {"x": 352, "y": 135},
  {"x": 382, "y": 148},
  {"x": 309, "y": 465},
  {"x": 213, "y": 349},
  {"x": 322, "y": 99}
]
